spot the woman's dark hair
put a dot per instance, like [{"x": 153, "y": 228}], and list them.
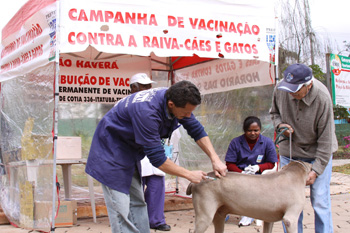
[
  {"x": 183, "y": 92},
  {"x": 250, "y": 120}
]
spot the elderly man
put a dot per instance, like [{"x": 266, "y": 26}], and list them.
[
  {"x": 303, "y": 105},
  {"x": 134, "y": 128}
]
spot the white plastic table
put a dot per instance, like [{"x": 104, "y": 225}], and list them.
[{"x": 66, "y": 165}]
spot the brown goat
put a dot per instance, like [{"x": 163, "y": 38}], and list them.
[{"x": 272, "y": 197}]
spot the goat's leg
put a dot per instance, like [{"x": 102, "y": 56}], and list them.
[
  {"x": 202, "y": 223},
  {"x": 219, "y": 222},
  {"x": 291, "y": 218},
  {"x": 267, "y": 227},
  {"x": 291, "y": 224},
  {"x": 204, "y": 215}
]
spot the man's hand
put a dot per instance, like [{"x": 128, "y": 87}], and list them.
[
  {"x": 252, "y": 169},
  {"x": 287, "y": 132},
  {"x": 196, "y": 176},
  {"x": 312, "y": 178},
  {"x": 219, "y": 168}
]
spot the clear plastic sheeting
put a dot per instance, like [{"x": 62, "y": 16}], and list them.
[
  {"x": 222, "y": 115},
  {"x": 80, "y": 120},
  {"x": 27, "y": 106}
]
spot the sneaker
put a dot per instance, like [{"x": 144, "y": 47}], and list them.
[
  {"x": 245, "y": 221},
  {"x": 163, "y": 227}
]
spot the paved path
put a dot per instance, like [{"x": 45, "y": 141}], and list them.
[{"x": 339, "y": 162}]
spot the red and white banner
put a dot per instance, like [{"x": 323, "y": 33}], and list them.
[
  {"x": 28, "y": 40},
  {"x": 230, "y": 29},
  {"x": 224, "y": 75},
  {"x": 102, "y": 81}
]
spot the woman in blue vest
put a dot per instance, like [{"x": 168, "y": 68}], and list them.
[{"x": 251, "y": 153}]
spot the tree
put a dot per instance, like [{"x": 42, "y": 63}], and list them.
[
  {"x": 318, "y": 73},
  {"x": 340, "y": 112},
  {"x": 298, "y": 42},
  {"x": 346, "y": 50}
]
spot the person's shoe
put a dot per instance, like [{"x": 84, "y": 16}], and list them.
[
  {"x": 245, "y": 221},
  {"x": 163, "y": 227}
]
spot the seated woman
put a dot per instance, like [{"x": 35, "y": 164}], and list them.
[{"x": 251, "y": 153}]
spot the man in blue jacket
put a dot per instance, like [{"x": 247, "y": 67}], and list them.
[{"x": 132, "y": 128}]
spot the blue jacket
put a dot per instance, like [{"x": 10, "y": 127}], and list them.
[
  {"x": 132, "y": 128},
  {"x": 239, "y": 152}
]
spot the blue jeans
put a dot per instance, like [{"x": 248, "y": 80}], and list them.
[
  {"x": 127, "y": 213},
  {"x": 320, "y": 198}
]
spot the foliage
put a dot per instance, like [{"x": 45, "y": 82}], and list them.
[
  {"x": 318, "y": 73},
  {"x": 340, "y": 112},
  {"x": 299, "y": 42},
  {"x": 342, "y": 132},
  {"x": 347, "y": 140}
]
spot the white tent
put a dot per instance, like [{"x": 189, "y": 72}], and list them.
[{"x": 84, "y": 51}]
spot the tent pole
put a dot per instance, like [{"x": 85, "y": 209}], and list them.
[
  {"x": 55, "y": 116},
  {"x": 276, "y": 50},
  {"x": 172, "y": 81}
]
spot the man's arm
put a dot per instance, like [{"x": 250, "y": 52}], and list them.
[
  {"x": 156, "y": 155},
  {"x": 276, "y": 116},
  {"x": 219, "y": 167},
  {"x": 171, "y": 168},
  {"x": 325, "y": 131}
]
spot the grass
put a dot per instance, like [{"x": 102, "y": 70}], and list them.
[
  {"x": 345, "y": 169},
  {"x": 79, "y": 177},
  {"x": 341, "y": 153}
]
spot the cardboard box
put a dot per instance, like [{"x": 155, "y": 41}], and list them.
[
  {"x": 67, "y": 214},
  {"x": 68, "y": 148}
]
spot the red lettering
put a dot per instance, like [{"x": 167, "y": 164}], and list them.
[
  {"x": 172, "y": 21},
  {"x": 82, "y": 16},
  {"x": 70, "y": 38},
  {"x": 118, "y": 18},
  {"x": 96, "y": 16},
  {"x": 71, "y": 14},
  {"x": 108, "y": 16},
  {"x": 132, "y": 41}
]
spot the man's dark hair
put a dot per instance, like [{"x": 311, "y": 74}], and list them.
[
  {"x": 250, "y": 120},
  {"x": 183, "y": 92}
]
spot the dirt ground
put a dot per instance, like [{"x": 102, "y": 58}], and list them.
[{"x": 182, "y": 221}]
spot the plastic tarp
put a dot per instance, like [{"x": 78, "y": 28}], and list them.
[{"x": 26, "y": 146}]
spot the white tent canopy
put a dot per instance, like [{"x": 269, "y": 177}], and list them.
[{"x": 85, "y": 51}]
